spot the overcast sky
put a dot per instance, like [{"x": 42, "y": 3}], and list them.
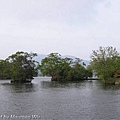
[{"x": 69, "y": 27}]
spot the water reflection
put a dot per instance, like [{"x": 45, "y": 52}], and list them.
[
  {"x": 18, "y": 88},
  {"x": 85, "y": 100},
  {"x": 56, "y": 84},
  {"x": 103, "y": 86},
  {"x": 110, "y": 87}
]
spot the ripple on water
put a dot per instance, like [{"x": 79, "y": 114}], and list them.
[{"x": 86, "y": 100}]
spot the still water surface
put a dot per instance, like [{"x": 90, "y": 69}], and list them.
[{"x": 46, "y": 100}]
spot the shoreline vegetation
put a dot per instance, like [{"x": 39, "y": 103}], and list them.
[{"x": 21, "y": 67}]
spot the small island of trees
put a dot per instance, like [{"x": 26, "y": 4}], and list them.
[
  {"x": 21, "y": 67},
  {"x": 64, "y": 68},
  {"x": 105, "y": 63}
]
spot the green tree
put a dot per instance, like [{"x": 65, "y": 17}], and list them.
[
  {"x": 78, "y": 71},
  {"x": 49, "y": 65},
  {"x": 5, "y": 67},
  {"x": 55, "y": 66},
  {"x": 22, "y": 66},
  {"x": 89, "y": 71},
  {"x": 103, "y": 62},
  {"x": 62, "y": 68}
]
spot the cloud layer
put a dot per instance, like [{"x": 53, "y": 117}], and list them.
[{"x": 65, "y": 26}]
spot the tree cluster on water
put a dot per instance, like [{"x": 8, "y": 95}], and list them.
[
  {"x": 21, "y": 67},
  {"x": 64, "y": 68},
  {"x": 105, "y": 63}
]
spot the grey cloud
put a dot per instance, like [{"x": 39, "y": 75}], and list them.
[{"x": 73, "y": 27}]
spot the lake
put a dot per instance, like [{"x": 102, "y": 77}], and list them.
[{"x": 47, "y": 100}]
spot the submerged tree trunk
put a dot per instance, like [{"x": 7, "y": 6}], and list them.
[{"x": 54, "y": 78}]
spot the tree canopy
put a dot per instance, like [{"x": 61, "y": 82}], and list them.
[
  {"x": 62, "y": 68},
  {"x": 104, "y": 62},
  {"x": 19, "y": 67},
  {"x": 5, "y": 69}
]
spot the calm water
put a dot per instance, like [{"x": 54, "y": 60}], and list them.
[{"x": 46, "y": 100}]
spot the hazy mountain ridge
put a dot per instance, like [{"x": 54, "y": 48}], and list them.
[{"x": 42, "y": 56}]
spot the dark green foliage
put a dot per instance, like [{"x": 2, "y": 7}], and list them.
[
  {"x": 5, "y": 67},
  {"x": 78, "y": 71},
  {"x": 89, "y": 71},
  {"x": 18, "y": 67},
  {"x": 62, "y": 68},
  {"x": 55, "y": 66},
  {"x": 105, "y": 62}
]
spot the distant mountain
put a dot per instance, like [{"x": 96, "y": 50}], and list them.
[
  {"x": 73, "y": 57},
  {"x": 42, "y": 56}
]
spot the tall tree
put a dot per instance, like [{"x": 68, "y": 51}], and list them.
[
  {"x": 5, "y": 67},
  {"x": 103, "y": 62},
  {"x": 55, "y": 66},
  {"x": 62, "y": 68},
  {"x": 78, "y": 71},
  {"x": 22, "y": 66}
]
